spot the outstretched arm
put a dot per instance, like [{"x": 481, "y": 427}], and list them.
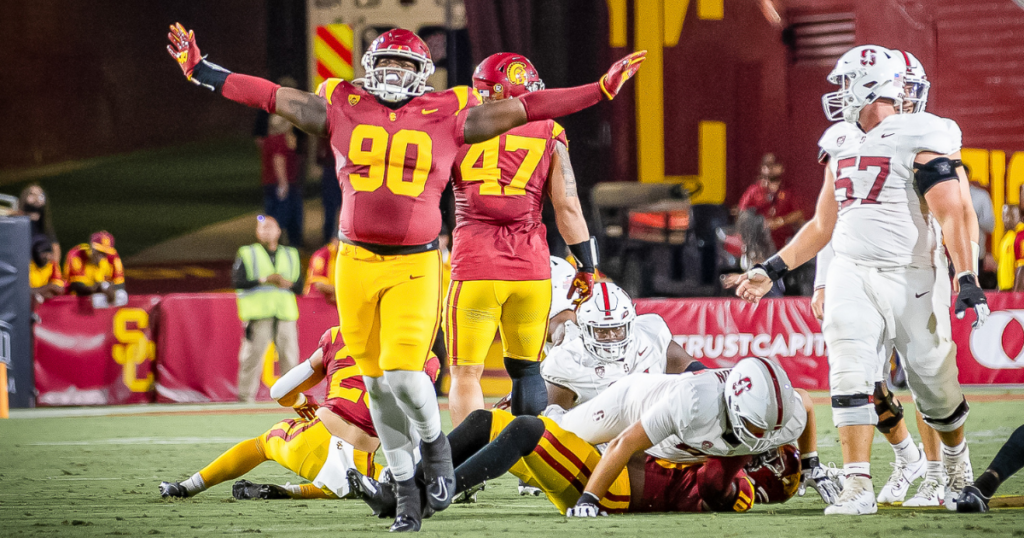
[
  {"x": 490, "y": 120},
  {"x": 305, "y": 110}
]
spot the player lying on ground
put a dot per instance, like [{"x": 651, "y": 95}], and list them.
[
  {"x": 886, "y": 194},
  {"x": 1008, "y": 461},
  {"x": 320, "y": 446},
  {"x": 490, "y": 443},
  {"x": 391, "y": 218},
  {"x": 500, "y": 281},
  {"x": 747, "y": 410},
  {"x": 910, "y": 463}
]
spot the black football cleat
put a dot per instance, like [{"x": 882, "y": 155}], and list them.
[
  {"x": 243, "y": 489},
  {"x": 469, "y": 496},
  {"x": 971, "y": 501},
  {"x": 380, "y": 497},
  {"x": 438, "y": 473},
  {"x": 409, "y": 509},
  {"x": 173, "y": 489}
]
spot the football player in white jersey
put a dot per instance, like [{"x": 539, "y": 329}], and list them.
[
  {"x": 611, "y": 342},
  {"x": 910, "y": 463},
  {"x": 896, "y": 186},
  {"x": 747, "y": 410}
]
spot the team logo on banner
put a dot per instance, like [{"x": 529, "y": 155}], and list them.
[{"x": 999, "y": 343}]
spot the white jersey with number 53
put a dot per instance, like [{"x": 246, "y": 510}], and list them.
[{"x": 882, "y": 221}]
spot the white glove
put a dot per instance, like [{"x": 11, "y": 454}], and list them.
[
  {"x": 586, "y": 507},
  {"x": 817, "y": 478}
]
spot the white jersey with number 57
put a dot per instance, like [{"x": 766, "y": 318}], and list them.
[
  {"x": 882, "y": 222},
  {"x": 571, "y": 366}
]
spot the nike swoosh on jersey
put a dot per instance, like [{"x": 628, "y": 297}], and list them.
[
  {"x": 919, "y": 295},
  {"x": 641, "y": 353},
  {"x": 887, "y": 134},
  {"x": 431, "y": 111}
]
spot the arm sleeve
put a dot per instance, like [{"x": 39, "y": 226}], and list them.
[
  {"x": 824, "y": 259},
  {"x": 239, "y": 280}
]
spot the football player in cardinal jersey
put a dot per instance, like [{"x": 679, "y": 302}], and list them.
[
  {"x": 499, "y": 279},
  {"x": 395, "y": 144},
  {"x": 910, "y": 463},
  {"x": 612, "y": 342},
  {"x": 890, "y": 194}
]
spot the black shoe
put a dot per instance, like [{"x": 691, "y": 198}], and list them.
[
  {"x": 379, "y": 496},
  {"x": 409, "y": 508},
  {"x": 243, "y": 489},
  {"x": 173, "y": 489},
  {"x": 469, "y": 496},
  {"x": 438, "y": 473},
  {"x": 971, "y": 501}
]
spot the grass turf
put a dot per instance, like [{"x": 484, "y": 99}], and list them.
[
  {"x": 149, "y": 196},
  {"x": 98, "y": 476}
]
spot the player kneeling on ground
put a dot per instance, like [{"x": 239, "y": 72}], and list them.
[{"x": 320, "y": 446}]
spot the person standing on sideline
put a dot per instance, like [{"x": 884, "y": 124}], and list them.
[
  {"x": 282, "y": 190},
  {"x": 1007, "y": 270},
  {"x": 266, "y": 276}
]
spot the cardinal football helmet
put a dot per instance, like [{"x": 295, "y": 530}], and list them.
[
  {"x": 915, "y": 84},
  {"x": 506, "y": 74},
  {"x": 394, "y": 84},
  {"x": 776, "y": 474},
  {"x": 759, "y": 399},
  {"x": 606, "y": 319},
  {"x": 864, "y": 74}
]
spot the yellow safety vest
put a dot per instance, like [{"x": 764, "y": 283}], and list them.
[{"x": 267, "y": 301}]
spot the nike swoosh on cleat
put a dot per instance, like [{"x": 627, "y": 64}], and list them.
[
  {"x": 919, "y": 295},
  {"x": 431, "y": 111},
  {"x": 444, "y": 492}
]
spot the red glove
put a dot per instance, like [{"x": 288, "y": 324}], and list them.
[
  {"x": 183, "y": 48},
  {"x": 504, "y": 404},
  {"x": 307, "y": 409},
  {"x": 583, "y": 283},
  {"x": 620, "y": 72}
]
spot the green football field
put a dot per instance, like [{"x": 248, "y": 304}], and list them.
[{"x": 98, "y": 476}]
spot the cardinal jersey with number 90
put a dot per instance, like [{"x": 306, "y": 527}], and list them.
[
  {"x": 883, "y": 221},
  {"x": 499, "y": 186},
  {"x": 393, "y": 164}
]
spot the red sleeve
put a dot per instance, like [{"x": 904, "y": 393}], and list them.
[{"x": 751, "y": 198}]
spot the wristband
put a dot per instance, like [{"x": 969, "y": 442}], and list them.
[
  {"x": 209, "y": 75},
  {"x": 585, "y": 254},
  {"x": 975, "y": 255},
  {"x": 966, "y": 277},
  {"x": 774, "y": 268}
]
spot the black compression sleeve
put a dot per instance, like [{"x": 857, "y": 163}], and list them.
[{"x": 516, "y": 441}]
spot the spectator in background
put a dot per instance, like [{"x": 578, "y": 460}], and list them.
[
  {"x": 266, "y": 276},
  {"x": 986, "y": 224},
  {"x": 282, "y": 190},
  {"x": 44, "y": 276},
  {"x": 320, "y": 275},
  {"x": 330, "y": 190},
  {"x": 758, "y": 246},
  {"x": 1009, "y": 263},
  {"x": 95, "y": 268},
  {"x": 33, "y": 204},
  {"x": 766, "y": 198}
]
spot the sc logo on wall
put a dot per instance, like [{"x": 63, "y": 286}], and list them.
[{"x": 999, "y": 344}]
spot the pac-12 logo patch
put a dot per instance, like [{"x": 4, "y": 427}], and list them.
[
  {"x": 741, "y": 386},
  {"x": 706, "y": 445},
  {"x": 353, "y": 100},
  {"x": 840, "y": 140}
]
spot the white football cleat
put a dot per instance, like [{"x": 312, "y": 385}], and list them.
[
  {"x": 903, "y": 475},
  {"x": 961, "y": 475},
  {"x": 930, "y": 493},
  {"x": 527, "y": 491},
  {"x": 857, "y": 498}
]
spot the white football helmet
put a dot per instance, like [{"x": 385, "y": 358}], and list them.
[
  {"x": 758, "y": 396},
  {"x": 562, "y": 275},
  {"x": 606, "y": 319},
  {"x": 915, "y": 85},
  {"x": 393, "y": 84},
  {"x": 864, "y": 74}
]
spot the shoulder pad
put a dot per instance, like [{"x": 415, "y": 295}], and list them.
[
  {"x": 928, "y": 132},
  {"x": 467, "y": 97},
  {"x": 329, "y": 87},
  {"x": 837, "y": 135}
]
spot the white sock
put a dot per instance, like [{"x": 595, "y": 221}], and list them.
[
  {"x": 906, "y": 450},
  {"x": 954, "y": 454},
  {"x": 859, "y": 468},
  {"x": 392, "y": 428},
  {"x": 194, "y": 484},
  {"x": 415, "y": 395},
  {"x": 934, "y": 471}
]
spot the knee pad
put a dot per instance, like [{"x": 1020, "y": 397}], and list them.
[
  {"x": 953, "y": 421},
  {"x": 853, "y": 410},
  {"x": 886, "y": 403},
  {"x": 518, "y": 369},
  {"x": 375, "y": 386}
]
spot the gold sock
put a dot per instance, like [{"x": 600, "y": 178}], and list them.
[
  {"x": 237, "y": 461},
  {"x": 309, "y": 491}
]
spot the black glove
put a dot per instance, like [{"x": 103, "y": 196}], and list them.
[{"x": 971, "y": 296}]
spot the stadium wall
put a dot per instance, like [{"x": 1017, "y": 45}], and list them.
[{"x": 184, "y": 347}]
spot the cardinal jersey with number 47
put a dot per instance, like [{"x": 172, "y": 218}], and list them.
[
  {"x": 393, "y": 164},
  {"x": 882, "y": 221}
]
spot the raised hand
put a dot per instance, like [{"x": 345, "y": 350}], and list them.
[
  {"x": 183, "y": 48},
  {"x": 620, "y": 72}
]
